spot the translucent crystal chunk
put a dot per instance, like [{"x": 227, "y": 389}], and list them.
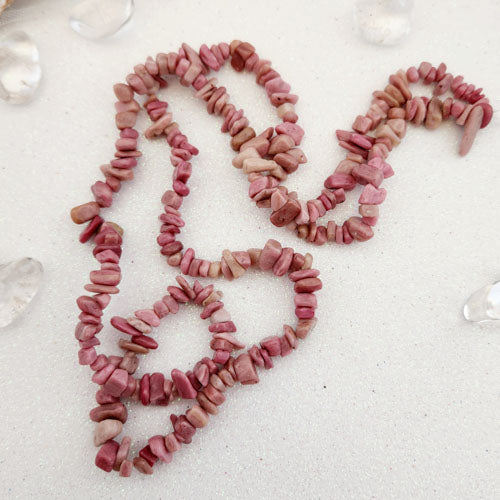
[
  {"x": 20, "y": 71},
  {"x": 96, "y": 19},
  {"x": 19, "y": 283},
  {"x": 4, "y": 4},
  {"x": 383, "y": 22},
  {"x": 484, "y": 305}
]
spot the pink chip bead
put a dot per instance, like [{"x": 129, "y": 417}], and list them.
[
  {"x": 303, "y": 273},
  {"x": 126, "y": 144},
  {"x": 304, "y": 312},
  {"x": 129, "y": 133},
  {"x": 148, "y": 316},
  {"x": 272, "y": 345},
  {"x": 276, "y": 85},
  {"x": 204, "y": 268},
  {"x": 308, "y": 285},
  {"x": 199, "y": 82},
  {"x": 268, "y": 362},
  {"x": 226, "y": 326},
  {"x": 105, "y": 277},
  {"x": 412, "y": 74},
  {"x": 201, "y": 373},
  {"x": 184, "y": 386},
  {"x": 89, "y": 305},
  {"x": 209, "y": 58},
  {"x": 129, "y": 162},
  {"x": 103, "y": 374},
  {"x": 184, "y": 431},
  {"x": 107, "y": 256},
  {"x": 126, "y": 468},
  {"x": 340, "y": 181},
  {"x": 117, "y": 382},
  {"x": 102, "y": 193},
  {"x": 210, "y": 309},
  {"x": 158, "y": 447},
  {"x": 269, "y": 255},
  {"x": 131, "y": 387},
  {"x": 171, "y": 303},
  {"x": 160, "y": 308},
  {"x": 221, "y": 357},
  {"x": 91, "y": 228},
  {"x": 85, "y": 212},
  {"x": 203, "y": 294},
  {"x": 305, "y": 300},
  {"x": 358, "y": 229},
  {"x": 284, "y": 262},
  {"x": 102, "y": 397},
  {"x": 100, "y": 362},
  {"x": 348, "y": 239},
  {"x": 229, "y": 338},
  {"x": 279, "y": 98},
  {"x": 362, "y": 141},
  {"x": 367, "y": 174},
  {"x": 487, "y": 113},
  {"x": 362, "y": 124},
  {"x": 372, "y": 196},
  {"x": 197, "y": 417},
  {"x": 89, "y": 319},
  {"x": 245, "y": 369},
  {"x": 87, "y": 356},
  {"x": 256, "y": 356},
  {"x": 186, "y": 260},
  {"x": 105, "y": 458},
  {"x": 122, "y": 325},
  {"x": 339, "y": 195},
  {"x": 293, "y": 130},
  {"x": 171, "y": 443},
  {"x": 370, "y": 221},
  {"x": 286, "y": 348},
  {"x": 178, "y": 294}
]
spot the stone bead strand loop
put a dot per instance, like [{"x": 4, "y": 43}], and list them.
[
  {"x": 191, "y": 68},
  {"x": 114, "y": 373},
  {"x": 208, "y": 380},
  {"x": 365, "y": 162},
  {"x": 266, "y": 158}
]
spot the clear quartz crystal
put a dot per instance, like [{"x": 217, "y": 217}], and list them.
[
  {"x": 19, "y": 283},
  {"x": 484, "y": 304},
  {"x": 383, "y": 22},
  {"x": 96, "y": 19},
  {"x": 20, "y": 71}
]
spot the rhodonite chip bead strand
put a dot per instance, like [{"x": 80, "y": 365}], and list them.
[
  {"x": 221, "y": 326},
  {"x": 208, "y": 380},
  {"x": 365, "y": 161},
  {"x": 387, "y": 116},
  {"x": 209, "y": 390},
  {"x": 191, "y": 67},
  {"x": 267, "y": 158},
  {"x": 266, "y": 163}
]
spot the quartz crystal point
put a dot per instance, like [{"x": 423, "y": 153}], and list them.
[
  {"x": 97, "y": 19},
  {"x": 484, "y": 304},
  {"x": 20, "y": 71},
  {"x": 383, "y": 22},
  {"x": 19, "y": 283}
]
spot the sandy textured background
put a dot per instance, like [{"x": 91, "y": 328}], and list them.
[{"x": 393, "y": 396}]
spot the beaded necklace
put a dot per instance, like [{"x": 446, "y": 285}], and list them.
[{"x": 266, "y": 159}]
